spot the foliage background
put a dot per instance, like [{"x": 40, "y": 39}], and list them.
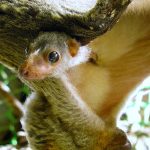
[{"x": 134, "y": 119}]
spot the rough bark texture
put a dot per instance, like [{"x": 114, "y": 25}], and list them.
[{"x": 22, "y": 20}]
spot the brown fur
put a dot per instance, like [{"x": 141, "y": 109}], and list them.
[{"x": 124, "y": 61}]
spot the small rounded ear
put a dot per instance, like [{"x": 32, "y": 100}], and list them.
[{"x": 73, "y": 46}]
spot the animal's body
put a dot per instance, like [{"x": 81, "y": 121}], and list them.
[
  {"x": 123, "y": 62},
  {"x": 49, "y": 117}
]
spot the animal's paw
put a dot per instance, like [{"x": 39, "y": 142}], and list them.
[{"x": 119, "y": 141}]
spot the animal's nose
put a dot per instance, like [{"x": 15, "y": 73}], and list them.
[{"x": 24, "y": 72}]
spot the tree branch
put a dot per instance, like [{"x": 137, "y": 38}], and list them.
[
  {"x": 21, "y": 21},
  {"x": 83, "y": 21},
  {"x": 12, "y": 101}
]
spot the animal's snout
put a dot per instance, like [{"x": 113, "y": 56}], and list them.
[{"x": 24, "y": 72}]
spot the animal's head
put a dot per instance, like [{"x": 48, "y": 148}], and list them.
[{"x": 50, "y": 55}]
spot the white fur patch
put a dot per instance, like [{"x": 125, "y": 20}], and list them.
[{"x": 82, "y": 56}]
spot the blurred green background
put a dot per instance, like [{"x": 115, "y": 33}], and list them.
[{"x": 134, "y": 118}]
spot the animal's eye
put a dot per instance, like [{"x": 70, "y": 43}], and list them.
[{"x": 53, "y": 56}]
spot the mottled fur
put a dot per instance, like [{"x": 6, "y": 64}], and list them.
[
  {"x": 59, "y": 119},
  {"x": 49, "y": 117}
]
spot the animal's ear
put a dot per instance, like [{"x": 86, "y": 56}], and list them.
[{"x": 73, "y": 46}]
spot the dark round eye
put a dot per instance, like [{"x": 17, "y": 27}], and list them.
[{"x": 53, "y": 56}]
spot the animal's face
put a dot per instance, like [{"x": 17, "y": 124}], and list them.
[
  {"x": 50, "y": 54},
  {"x": 39, "y": 66}
]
